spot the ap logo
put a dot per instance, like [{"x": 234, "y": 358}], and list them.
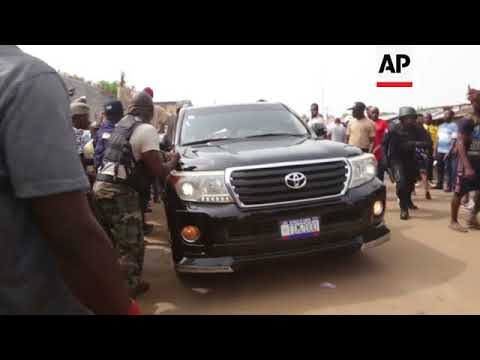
[{"x": 394, "y": 66}]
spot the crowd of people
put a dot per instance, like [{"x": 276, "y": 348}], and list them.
[
  {"x": 120, "y": 155},
  {"x": 413, "y": 148},
  {"x": 73, "y": 212}
]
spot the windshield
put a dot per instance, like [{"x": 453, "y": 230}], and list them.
[{"x": 238, "y": 122}]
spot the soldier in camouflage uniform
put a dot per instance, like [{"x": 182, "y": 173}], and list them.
[
  {"x": 121, "y": 217},
  {"x": 132, "y": 158}
]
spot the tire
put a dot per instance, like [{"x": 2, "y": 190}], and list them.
[{"x": 349, "y": 251}]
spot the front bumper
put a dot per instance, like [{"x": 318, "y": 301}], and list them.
[
  {"x": 234, "y": 237},
  {"x": 230, "y": 264}
]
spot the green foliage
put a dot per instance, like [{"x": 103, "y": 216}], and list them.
[{"x": 108, "y": 88}]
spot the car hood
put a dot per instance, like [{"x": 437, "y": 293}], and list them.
[{"x": 222, "y": 155}]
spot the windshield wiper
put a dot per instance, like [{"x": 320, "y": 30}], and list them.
[
  {"x": 275, "y": 134},
  {"x": 206, "y": 141}
]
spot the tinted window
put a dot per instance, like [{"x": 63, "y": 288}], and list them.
[{"x": 238, "y": 122}]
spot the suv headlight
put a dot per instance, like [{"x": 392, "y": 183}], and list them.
[
  {"x": 364, "y": 169},
  {"x": 201, "y": 186}
]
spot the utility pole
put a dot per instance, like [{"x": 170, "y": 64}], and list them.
[{"x": 323, "y": 100}]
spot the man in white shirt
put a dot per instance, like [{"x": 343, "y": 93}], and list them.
[{"x": 315, "y": 116}]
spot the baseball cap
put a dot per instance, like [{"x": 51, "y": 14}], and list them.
[
  {"x": 358, "y": 105},
  {"x": 113, "y": 108},
  {"x": 149, "y": 91}
]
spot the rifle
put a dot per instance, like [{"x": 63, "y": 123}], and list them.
[
  {"x": 386, "y": 152},
  {"x": 390, "y": 175}
]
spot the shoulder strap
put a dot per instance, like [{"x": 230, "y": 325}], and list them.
[
  {"x": 132, "y": 129},
  {"x": 129, "y": 135}
]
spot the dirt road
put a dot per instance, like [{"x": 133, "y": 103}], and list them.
[{"x": 425, "y": 269}]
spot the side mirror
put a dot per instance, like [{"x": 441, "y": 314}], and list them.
[{"x": 165, "y": 143}]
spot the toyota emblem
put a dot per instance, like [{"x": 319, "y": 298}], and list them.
[{"x": 295, "y": 181}]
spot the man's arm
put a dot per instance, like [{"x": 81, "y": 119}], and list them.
[
  {"x": 435, "y": 149},
  {"x": 146, "y": 140},
  {"x": 450, "y": 150},
  {"x": 83, "y": 251},
  {"x": 462, "y": 154},
  {"x": 372, "y": 135},
  {"x": 454, "y": 142},
  {"x": 157, "y": 166},
  {"x": 347, "y": 133},
  {"x": 329, "y": 133}
]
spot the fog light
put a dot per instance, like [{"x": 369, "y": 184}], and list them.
[
  {"x": 378, "y": 208},
  {"x": 190, "y": 233}
]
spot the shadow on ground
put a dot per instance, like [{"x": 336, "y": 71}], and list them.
[{"x": 295, "y": 286}]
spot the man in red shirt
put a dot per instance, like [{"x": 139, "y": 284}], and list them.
[{"x": 381, "y": 127}]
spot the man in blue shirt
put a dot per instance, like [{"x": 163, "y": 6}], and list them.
[
  {"x": 468, "y": 170},
  {"x": 113, "y": 112},
  {"x": 447, "y": 133}
]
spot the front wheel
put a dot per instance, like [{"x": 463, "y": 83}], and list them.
[{"x": 349, "y": 251}]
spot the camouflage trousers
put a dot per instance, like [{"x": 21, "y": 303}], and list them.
[{"x": 121, "y": 217}]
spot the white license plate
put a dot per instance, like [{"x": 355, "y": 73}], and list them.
[{"x": 300, "y": 228}]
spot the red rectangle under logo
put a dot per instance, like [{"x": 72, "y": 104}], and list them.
[{"x": 394, "y": 84}]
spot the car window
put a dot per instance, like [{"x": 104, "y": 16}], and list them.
[{"x": 239, "y": 123}]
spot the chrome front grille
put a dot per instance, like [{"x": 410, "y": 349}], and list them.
[{"x": 265, "y": 185}]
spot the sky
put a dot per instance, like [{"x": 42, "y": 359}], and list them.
[{"x": 333, "y": 76}]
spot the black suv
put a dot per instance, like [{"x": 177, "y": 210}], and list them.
[{"x": 254, "y": 183}]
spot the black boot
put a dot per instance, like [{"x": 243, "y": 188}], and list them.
[
  {"x": 404, "y": 214},
  {"x": 412, "y": 206}
]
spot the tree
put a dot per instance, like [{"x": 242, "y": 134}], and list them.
[{"x": 108, "y": 88}]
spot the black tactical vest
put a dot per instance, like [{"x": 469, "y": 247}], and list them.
[{"x": 119, "y": 152}]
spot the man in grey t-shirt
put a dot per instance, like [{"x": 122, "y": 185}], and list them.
[
  {"x": 54, "y": 257},
  {"x": 337, "y": 132}
]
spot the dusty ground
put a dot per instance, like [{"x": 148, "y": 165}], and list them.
[{"x": 425, "y": 269}]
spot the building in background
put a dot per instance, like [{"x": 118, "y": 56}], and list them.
[
  {"x": 95, "y": 98},
  {"x": 460, "y": 110},
  {"x": 172, "y": 106}
]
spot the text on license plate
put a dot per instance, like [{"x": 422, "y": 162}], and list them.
[{"x": 301, "y": 228}]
